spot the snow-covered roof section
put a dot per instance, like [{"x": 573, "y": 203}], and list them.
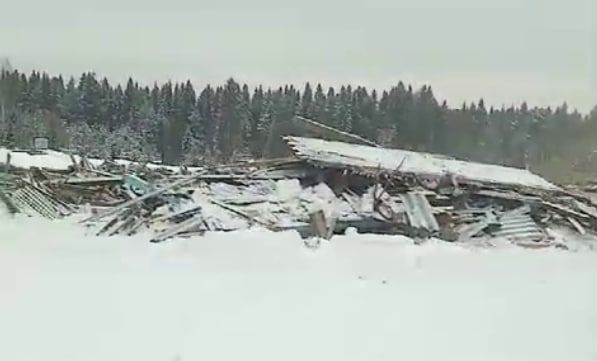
[
  {"x": 340, "y": 154},
  {"x": 49, "y": 160},
  {"x": 55, "y": 160}
]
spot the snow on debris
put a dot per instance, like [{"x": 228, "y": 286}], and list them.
[
  {"x": 256, "y": 295},
  {"x": 49, "y": 159},
  {"x": 55, "y": 160},
  {"x": 353, "y": 155}
]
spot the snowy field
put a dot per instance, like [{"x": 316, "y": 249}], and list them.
[{"x": 264, "y": 296}]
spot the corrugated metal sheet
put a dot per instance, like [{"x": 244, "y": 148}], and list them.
[
  {"x": 518, "y": 224},
  {"x": 31, "y": 201},
  {"x": 419, "y": 211},
  {"x": 468, "y": 231},
  {"x": 370, "y": 160}
]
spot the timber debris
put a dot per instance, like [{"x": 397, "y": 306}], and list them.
[{"x": 324, "y": 189}]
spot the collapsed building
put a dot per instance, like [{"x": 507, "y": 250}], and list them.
[{"x": 323, "y": 189}]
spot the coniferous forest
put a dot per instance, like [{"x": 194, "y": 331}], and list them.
[{"x": 178, "y": 124}]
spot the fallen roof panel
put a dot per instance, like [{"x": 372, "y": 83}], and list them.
[{"x": 338, "y": 154}]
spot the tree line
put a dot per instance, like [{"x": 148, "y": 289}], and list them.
[{"x": 175, "y": 123}]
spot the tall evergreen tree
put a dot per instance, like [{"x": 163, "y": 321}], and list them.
[
  {"x": 307, "y": 101},
  {"x": 318, "y": 111}
]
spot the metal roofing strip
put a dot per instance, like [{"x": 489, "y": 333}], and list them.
[
  {"x": 519, "y": 226},
  {"x": 419, "y": 211}
]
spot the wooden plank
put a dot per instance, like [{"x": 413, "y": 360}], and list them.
[
  {"x": 579, "y": 228},
  {"x": 127, "y": 204},
  {"x": 179, "y": 228},
  {"x": 7, "y": 164}
]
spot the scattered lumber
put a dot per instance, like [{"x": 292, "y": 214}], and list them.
[{"x": 325, "y": 189}]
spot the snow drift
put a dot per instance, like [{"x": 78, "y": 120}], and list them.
[{"x": 256, "y": 295}]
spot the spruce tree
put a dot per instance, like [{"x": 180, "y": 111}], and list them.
[
  {"x": 318, "y": 111},
  {"x": 307, "y": 101}
]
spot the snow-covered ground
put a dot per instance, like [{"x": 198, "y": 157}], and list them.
[{"x": 255, "y": 295}]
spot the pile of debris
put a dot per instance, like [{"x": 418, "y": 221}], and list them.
[{"x": 326, "y": 188}]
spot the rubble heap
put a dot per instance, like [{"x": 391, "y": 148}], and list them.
[{"x": 326, "y": 188}]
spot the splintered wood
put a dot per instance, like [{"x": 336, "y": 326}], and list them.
[{"x": 326, "y": 189}]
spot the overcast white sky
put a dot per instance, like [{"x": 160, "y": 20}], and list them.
[{"x": 543, "y": 51}]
